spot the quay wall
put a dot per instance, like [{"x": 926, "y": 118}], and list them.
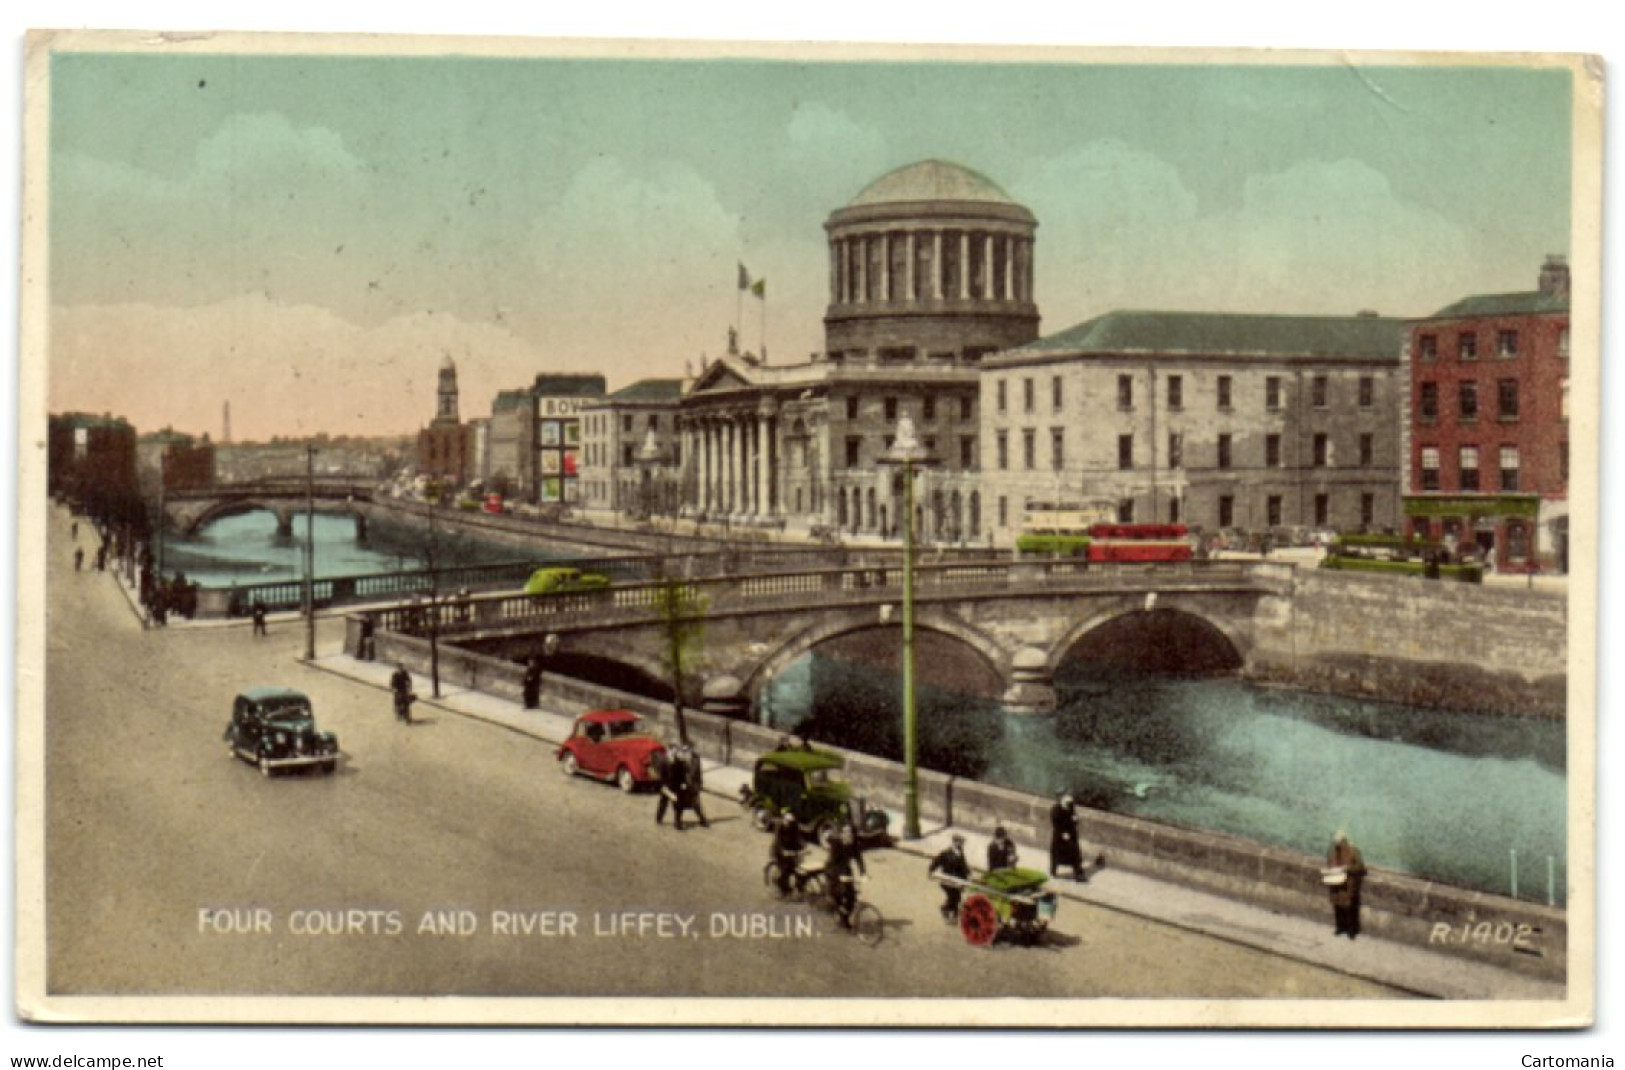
[
  {"x": 1491, "y": 649},
  {"x": 1508, "y": 933}
]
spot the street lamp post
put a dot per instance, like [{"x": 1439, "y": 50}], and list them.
[
  {"x": 310, "y": 553},
  {"x": 907, "y": 453}
]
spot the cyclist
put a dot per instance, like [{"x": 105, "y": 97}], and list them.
[
  {"x": 844, "y": 855},
  {"x": 786, "y": 849}
]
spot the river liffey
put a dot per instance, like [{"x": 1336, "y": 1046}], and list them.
[{"x": 1456, "y": 797}]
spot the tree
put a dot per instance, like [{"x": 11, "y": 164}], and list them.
[{"x": 682, "y": 611}]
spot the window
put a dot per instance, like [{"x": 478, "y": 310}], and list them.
[
  {"x": 1028, "y": 449},
  {"x": 1368, "y": 510},
  {"x": 1563, "y": 461},
  {"x": 852, "y": 407},
  {"x": 1427, "y": 347},
  {"x": 1227, "y": 511},
  {"x": 1173, "y": 510},
  {"x": 1323, "y": 510},
  {"x": 853, "y": 445},
  {"x": 1224, "y": 451},
  {"x": 1176, "y": 391},
  {"x": 1323, "y": 450},
  {"x": 1125, "y": 511},
  {"x": 1272, "y": 393},
  {"x": 966, "y": 407},
  {"x": 1430, "y": 468},
  {"x": 967, "y": 451},
  {"x": 1272, "y": 451},
  {"x": 1002, "y": 441},
  {"x": 1004, "y": 511},
  {"x": 1125, "y": 451},
  {"x": 626, "y": 455},
  {"x": 1563, "y": 341},
  {"x": 1026, "y": 395},
  {"x": 1224, "y": 391},
  {"x": 1176, "y": 450},
  {"x": 1055, "y": 393},
  {"x": 1506, "y": 399},
  {"x": 891, "y": 410},
  {"x": 929, "y": 407},
  {"x": 626, "y": 423},
  {"x": 1468, "y": 460},
  {"x": 1000, "y": 399},
  {"x": 1506, "y": 344},
  {"x": 1368, "y": 449},
  {"x": 1318, "y": 391},
  {"x": 1368, "y": 391},
  {"x": 1467, "y": 346},
  {"x": 1057, "y": 448},
  {"x": 1272, "y": 511},
  {"x": 1125, "y": 391},
  {"x": 1428, "y": 401},
  {"x": 1509, "y": 468},
  {"x": 1467, "y": 401}
]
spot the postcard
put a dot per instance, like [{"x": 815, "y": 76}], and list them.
[{"x": 715, "y": 534}]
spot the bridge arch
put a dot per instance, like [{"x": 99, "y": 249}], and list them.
[
  {"x": 831, "y": 626},
  {"x": 284, "y": 509},
  {"x": 1159, "y": 635}
]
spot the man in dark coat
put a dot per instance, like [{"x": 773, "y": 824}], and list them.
[
  {"x": 1064, "y": 850},
  {"x": 951, "y": 862},
  {"x": 1345, "y": 858},
  {"x": 1001, "y": 853},
  {"x": 673, "y": 788},
  {"x": 786, "y": 849},
  {"x": 844, "y": 857},
  {"x": 533, "y": 682},
  {"x": 259, "y": 617},
  {"x": 400, "y": 683}
]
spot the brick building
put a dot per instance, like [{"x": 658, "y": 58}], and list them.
[
  {"x": 931, "y": 269},
  {"x": 445, "y": 453},
  {"x": 1487, "y": 427},
  {"x": 1207, "y": 419}
]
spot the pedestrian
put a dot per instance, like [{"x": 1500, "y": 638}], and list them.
[
  {"x": 694, "y": 785},
  {"x": 951, "y": 862},
  {"x": 786, "y": 849},
  {"x": 1064, "y": 850},
  {"x": 101, "y": 558},
  {"x": 671, "y": 790},
  {"x": 844, "y": 857},
  {"x": 259, "y": 618},
  {"x": 1001, "y": 853},
  {"x": 533, "y": 682},
  {"x": 78, "y": 558},
  {"x": 400, "y": 684},
  {"x": 75, "y": 530},
  {"x": 1344, "y": 873}
]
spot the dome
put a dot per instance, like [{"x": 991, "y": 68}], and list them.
[{"x": 931, "y": 180}]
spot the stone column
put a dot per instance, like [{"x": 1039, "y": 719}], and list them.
[
  {"x": 936, "y": 265},
  {"x": 1009, "y": 268},
  {"x": 964, "y": 265},
  {"x": 988, "y": 274},
  {"x": 884, "y": 240},
  {"x": 910, "y": 269},
  {"x": 834, "y": 272},
  {"x": 761, "y": 465},
  {"x": 861, "y": 246}
]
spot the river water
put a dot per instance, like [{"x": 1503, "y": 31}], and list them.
[
  {"x": 1441, "y": 795},
  {"x": 246, "y": 548}
]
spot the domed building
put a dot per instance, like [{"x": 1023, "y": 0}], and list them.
[
  {"x": 929, "y": 263},
  {"x": 931, "y": 269}
]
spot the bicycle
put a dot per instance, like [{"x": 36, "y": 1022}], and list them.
[
  {"x": 864, "y": 920},
  {"x": 809, "y": 884}
]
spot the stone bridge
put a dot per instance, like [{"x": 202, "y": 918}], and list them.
[
  {"x": 189, "y": 510},
  {"x": 1015, "y": 622}
]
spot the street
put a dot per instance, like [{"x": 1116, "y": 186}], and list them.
[{"x": 452, "y": 857}]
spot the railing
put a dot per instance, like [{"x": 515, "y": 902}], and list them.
[{"x": 640, "y": 602}]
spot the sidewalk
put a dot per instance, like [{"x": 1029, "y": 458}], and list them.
[{"x": 1401, "y": 966}]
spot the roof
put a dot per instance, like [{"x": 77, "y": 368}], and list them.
[
  {"x": 650, "y": 390},
  {"x": 1531, "y": 302},
  {"x": 805, "y": 761},
  {"x": 603, "y": 716},
  {"x": 1227, "y": 333},
  {"x": 566, "y": 385},
  {"x": 263, "y": 694},
  {"x": 509, "y": 400},
  {"x": 931, "y": 180}
]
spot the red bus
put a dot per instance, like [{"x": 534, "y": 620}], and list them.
[{"x": 1139, "y": 542}]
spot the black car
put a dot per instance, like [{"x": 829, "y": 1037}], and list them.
[{"x": 274, "y": 728}]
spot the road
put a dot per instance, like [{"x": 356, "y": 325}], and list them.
[{"x": 160, "y": 848}]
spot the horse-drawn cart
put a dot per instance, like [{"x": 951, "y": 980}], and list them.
[{"x": 1003, "y": 904}]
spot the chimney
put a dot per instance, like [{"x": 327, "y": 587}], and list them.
[{"x": 1554, "y": 276}]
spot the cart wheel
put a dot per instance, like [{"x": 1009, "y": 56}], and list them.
[
  {"x": 978, "y": 921},
  {"x": 815, "y": 892},
  {"x": 771, "y": 876}
]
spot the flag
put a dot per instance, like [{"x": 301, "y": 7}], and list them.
[
  {"x": 744, "y": 278},
  {"x": 759, "y": 288}
]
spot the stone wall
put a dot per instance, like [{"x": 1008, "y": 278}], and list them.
[{"x": 1429, "y": 643}]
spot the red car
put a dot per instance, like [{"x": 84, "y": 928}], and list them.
[{"x": 613, "y": 745}]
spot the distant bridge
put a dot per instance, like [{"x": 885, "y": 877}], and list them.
[{"x": 187, "y": 511}]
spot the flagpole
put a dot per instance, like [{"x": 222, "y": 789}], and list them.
[{"x": 764, "y": 325}]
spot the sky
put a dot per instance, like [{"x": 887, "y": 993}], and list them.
[{"x": 308, "y": 236}]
